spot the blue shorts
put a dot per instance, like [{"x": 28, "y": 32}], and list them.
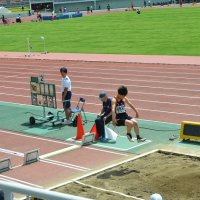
[{"x": 68, "y": 96}]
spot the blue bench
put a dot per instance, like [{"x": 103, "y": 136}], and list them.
[{"x": 63, "y": 16}]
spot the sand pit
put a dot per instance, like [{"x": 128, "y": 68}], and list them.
[{"x": 175, "y": 177}]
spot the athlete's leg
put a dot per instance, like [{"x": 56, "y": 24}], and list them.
[
  {"x": 136, "y": 127},
  {"x": 129, "y": 125}
]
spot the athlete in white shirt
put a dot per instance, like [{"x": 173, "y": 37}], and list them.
[{"x": 66, "y": 93}]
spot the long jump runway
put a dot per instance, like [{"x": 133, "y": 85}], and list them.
[
  {"x": 168, "y": 93},
  {"x": 49, "y": 172}
]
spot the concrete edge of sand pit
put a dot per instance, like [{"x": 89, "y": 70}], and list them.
[{"x": 164, "y": 151}]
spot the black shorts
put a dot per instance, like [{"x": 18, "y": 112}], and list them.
[
  {"x": 68, "y": 96},
  {"x": 121, "y": 121},
  {"x": 108, "y": 120}
]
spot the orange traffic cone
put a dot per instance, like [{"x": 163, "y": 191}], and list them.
[
  {"x": 94, "y": 131},
  {"x": 80, "y": 129}
]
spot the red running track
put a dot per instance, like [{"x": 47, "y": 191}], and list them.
[
  {"x": 161, "y": 92},
  {"x": 53, "y": 171}
]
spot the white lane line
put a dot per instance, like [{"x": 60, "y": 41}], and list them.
[
  {"x": 15, "y": 153},
  {"x": 143, "y": 93},
  {"x": 113, "y": 84},
  {"x": 5, "y": 94},
  {"x": 109, "y": 90},
  {"x": 60, "y": 151},
  {"x": 165, "y": 102},
  {"x": 106, "y": 190},
  {"x": 95, "y": 69},
  {"x": 33, "y": 137},
  {"x": 103, "y": 150},
  {"x": 135, "y": 100},
  {"x": 121, "y": 74},
  {"x": 149, "y": 110},
  {"x": 101, "y": 78},
  {"x": 137, "y": 86},
  {"x": 122, "y": 149},
  {"x": 68, "y": 164},
  {"x": 168, "y": 112},
  {"x": 148, "y": 120},
  {"x": 14, "y": 88},
  {"x": 134, "y": 80},
  {"x": 63, "y": 165},
  {"x": 95, "y": 149},
  {"x": 13, "y": 76},
  {"x": 159, "y": 111},
  {"x": 7, "y": 178},
  {"x": 16, "y": 95}
]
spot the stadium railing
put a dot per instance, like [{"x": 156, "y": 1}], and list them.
[{"x": 12, "y": 187}]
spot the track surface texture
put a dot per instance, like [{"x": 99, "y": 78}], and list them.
[{"x": 161, "y": 92}]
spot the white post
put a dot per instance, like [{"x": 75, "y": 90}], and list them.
[
  {"x": 30, "y": 5},
  {"x": 29, "y": 49},
  {"x": 45, "y": 46},
  {"x": 53, "y": 6},
  {"x": 95, "y": 4}
]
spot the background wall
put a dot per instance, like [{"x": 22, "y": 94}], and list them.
[{"x": 72, "y": 5}]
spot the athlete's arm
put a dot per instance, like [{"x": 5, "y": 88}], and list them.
[
  {"x": 102, "y": 111},
  {"x": 113, "y": 111},
  {"x": 106, "y": 117},
  {"x": 132, "y": 107}
]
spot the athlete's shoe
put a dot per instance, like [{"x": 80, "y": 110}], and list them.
[
  {"x": 67, "y": 122},
  {"x": 104, "y": 140},
  {"x": 130, "y": 138},
  {"x": 140, "y": 139}
]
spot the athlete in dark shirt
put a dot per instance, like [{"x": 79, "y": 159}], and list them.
[
  {"x": 120, "y": 116},
  {"x": 108, "y": 7},
  {"x": 3, "y": 19},
  {"x": 105, "y": 113},
  {"x": 105, "y": 116}
]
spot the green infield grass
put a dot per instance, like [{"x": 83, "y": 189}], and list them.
[{"x": 166, "y": 31}]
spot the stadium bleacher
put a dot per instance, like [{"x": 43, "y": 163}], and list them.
[
  {"x": 3, "y": 3},
  {"x": 13, "y": 2}
]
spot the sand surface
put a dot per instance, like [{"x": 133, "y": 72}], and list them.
[{"x": 175, "y": 177}]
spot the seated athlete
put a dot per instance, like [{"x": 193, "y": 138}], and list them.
[
  {"x": 105, "y": 116},
  {"x": 121, "y": 118}
]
